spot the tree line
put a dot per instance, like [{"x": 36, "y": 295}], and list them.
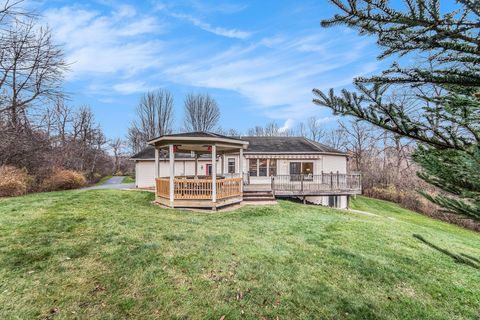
[{"x": 39, "y": 132}]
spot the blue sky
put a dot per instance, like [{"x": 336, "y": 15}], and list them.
[{"x": 258, "y": 59}]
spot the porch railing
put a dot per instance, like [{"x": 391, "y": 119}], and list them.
[
  {"x": 199, "y": 189},
  {"x": 163, "y": 187},
  {"x": 322, "y": 182}
]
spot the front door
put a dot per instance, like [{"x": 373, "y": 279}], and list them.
[{"x": 208, "y": 169}]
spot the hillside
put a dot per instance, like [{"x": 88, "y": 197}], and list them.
[{"x": 112, "y": 254}]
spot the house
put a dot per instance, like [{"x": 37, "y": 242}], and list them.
[{"x": 204, "y": 169}]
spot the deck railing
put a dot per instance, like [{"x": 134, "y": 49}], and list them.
[
  {"x": 321, "y": 182},
  {"x": 230, "y": 187},
  {"x": 198, "y": 189},
  {"x": 163, "y": 187}
]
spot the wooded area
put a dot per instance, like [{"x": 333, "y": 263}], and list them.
[{"x": 45, "y": 144}]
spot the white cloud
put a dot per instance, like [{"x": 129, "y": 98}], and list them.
[
  {"x": 278, "y": 75},
  {"x": 131, "y": 87},
  {"x": 287, "y": 125},
  {"x": 229, "y": 33},
  {"x": 121, "y": 53},
  {"x": 99, "y": 44}
]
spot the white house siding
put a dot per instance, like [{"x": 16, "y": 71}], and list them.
[
  {"x": 332, "y": 163},
  {"x": 144, "y": 174}
]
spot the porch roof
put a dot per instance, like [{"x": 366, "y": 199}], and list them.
[{"x": 200, "y": 142}]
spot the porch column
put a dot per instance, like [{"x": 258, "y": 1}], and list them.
[
  {"x": 214, "y": 173},
  {"x": 171, "y": 155},
  {"x": 223, "y": 164},
  {"x": 240, "y": 167},
  {"x": 157, "y": 155},
  {"x": 196, "y": 166}
]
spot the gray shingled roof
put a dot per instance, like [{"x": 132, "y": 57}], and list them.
[
  {"x": 258, "y": 145},
  {"x": 286, "y": 145}
]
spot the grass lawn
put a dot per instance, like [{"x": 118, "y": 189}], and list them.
[
  {"x": 128, "y": 179},
  {"x": 104, "y": 254}
]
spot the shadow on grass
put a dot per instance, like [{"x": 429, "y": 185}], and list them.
[{"x": 459, "y": 258}]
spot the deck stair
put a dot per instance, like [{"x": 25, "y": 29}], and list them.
[{"x": 258, "y": 196}]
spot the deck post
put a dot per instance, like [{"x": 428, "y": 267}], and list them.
[
  {"x": 223, "y": 164},
  {"x": 196, "y": 166},
  {"x": 331, "y": 180},
  {"x": 240, "y": 168},
  {"x": 273, "y": 185},
  {"x": 171, "y": 155},
  {"x": 157, "y": 171},
  {"x": 338, "y": 180},
  {"x": 214, "y": 174}
]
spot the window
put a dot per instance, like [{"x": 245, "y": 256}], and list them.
[
  {"x": 252, "y": 167},
  {"x": 273, "y": 167},
  {"x": 231, "y": 165},
  {"x": 295, "y": 167},
  {"x": 301, "y": 169},
  {"x": 262, "y": 168},
  {"x": 307, "y": 168}
]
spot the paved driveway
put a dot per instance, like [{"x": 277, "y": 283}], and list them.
[{"x": 113, "y": 183}]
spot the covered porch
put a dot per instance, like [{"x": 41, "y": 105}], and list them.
[{"x": 211, "y": 190}]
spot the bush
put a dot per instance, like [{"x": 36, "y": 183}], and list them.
[
  {"x": 62, "y": 179},
  {"x": 415, "y": 202},
  {"x": 13, "y": 181}
]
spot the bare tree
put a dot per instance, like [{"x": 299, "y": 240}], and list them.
[
  {"x": 272, "y": 129},
  {"x": 31, "y": 69},
  {"x": 135, "y": 139},
  {"x": 154, "y": 118},
  {"x": 228, "y": 132},
  {"x": 336, "y": 138},
  {"x": 11, "y": 11},
  {"x": 257, "y": 131},
  {"x": 314, "y": 129},
  {"x": 360, "y": 140},
  {"x": 117, "y": 146},
  {"x": 201, "y": 113},
  {"x": 302, "y": 129}
]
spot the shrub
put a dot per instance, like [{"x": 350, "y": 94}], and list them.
[
  {"x": 410, "y": 199},
  {"x": 63, "y": 179},
  {"x": 13, "y": 181}
]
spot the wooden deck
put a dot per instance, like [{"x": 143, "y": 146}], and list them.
[
  {"x": 315, "y": 185},
  {"x": 198, "y": 193}
]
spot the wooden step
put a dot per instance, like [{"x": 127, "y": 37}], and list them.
[
  {"x": 258, "y": 199},
  {"x": 258, "y": 196}
]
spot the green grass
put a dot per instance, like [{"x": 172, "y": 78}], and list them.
[
  {"x": 128, "y": 179},
  {"x": 103, "y": 180},
  {"x": 105, "y": 254}
]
